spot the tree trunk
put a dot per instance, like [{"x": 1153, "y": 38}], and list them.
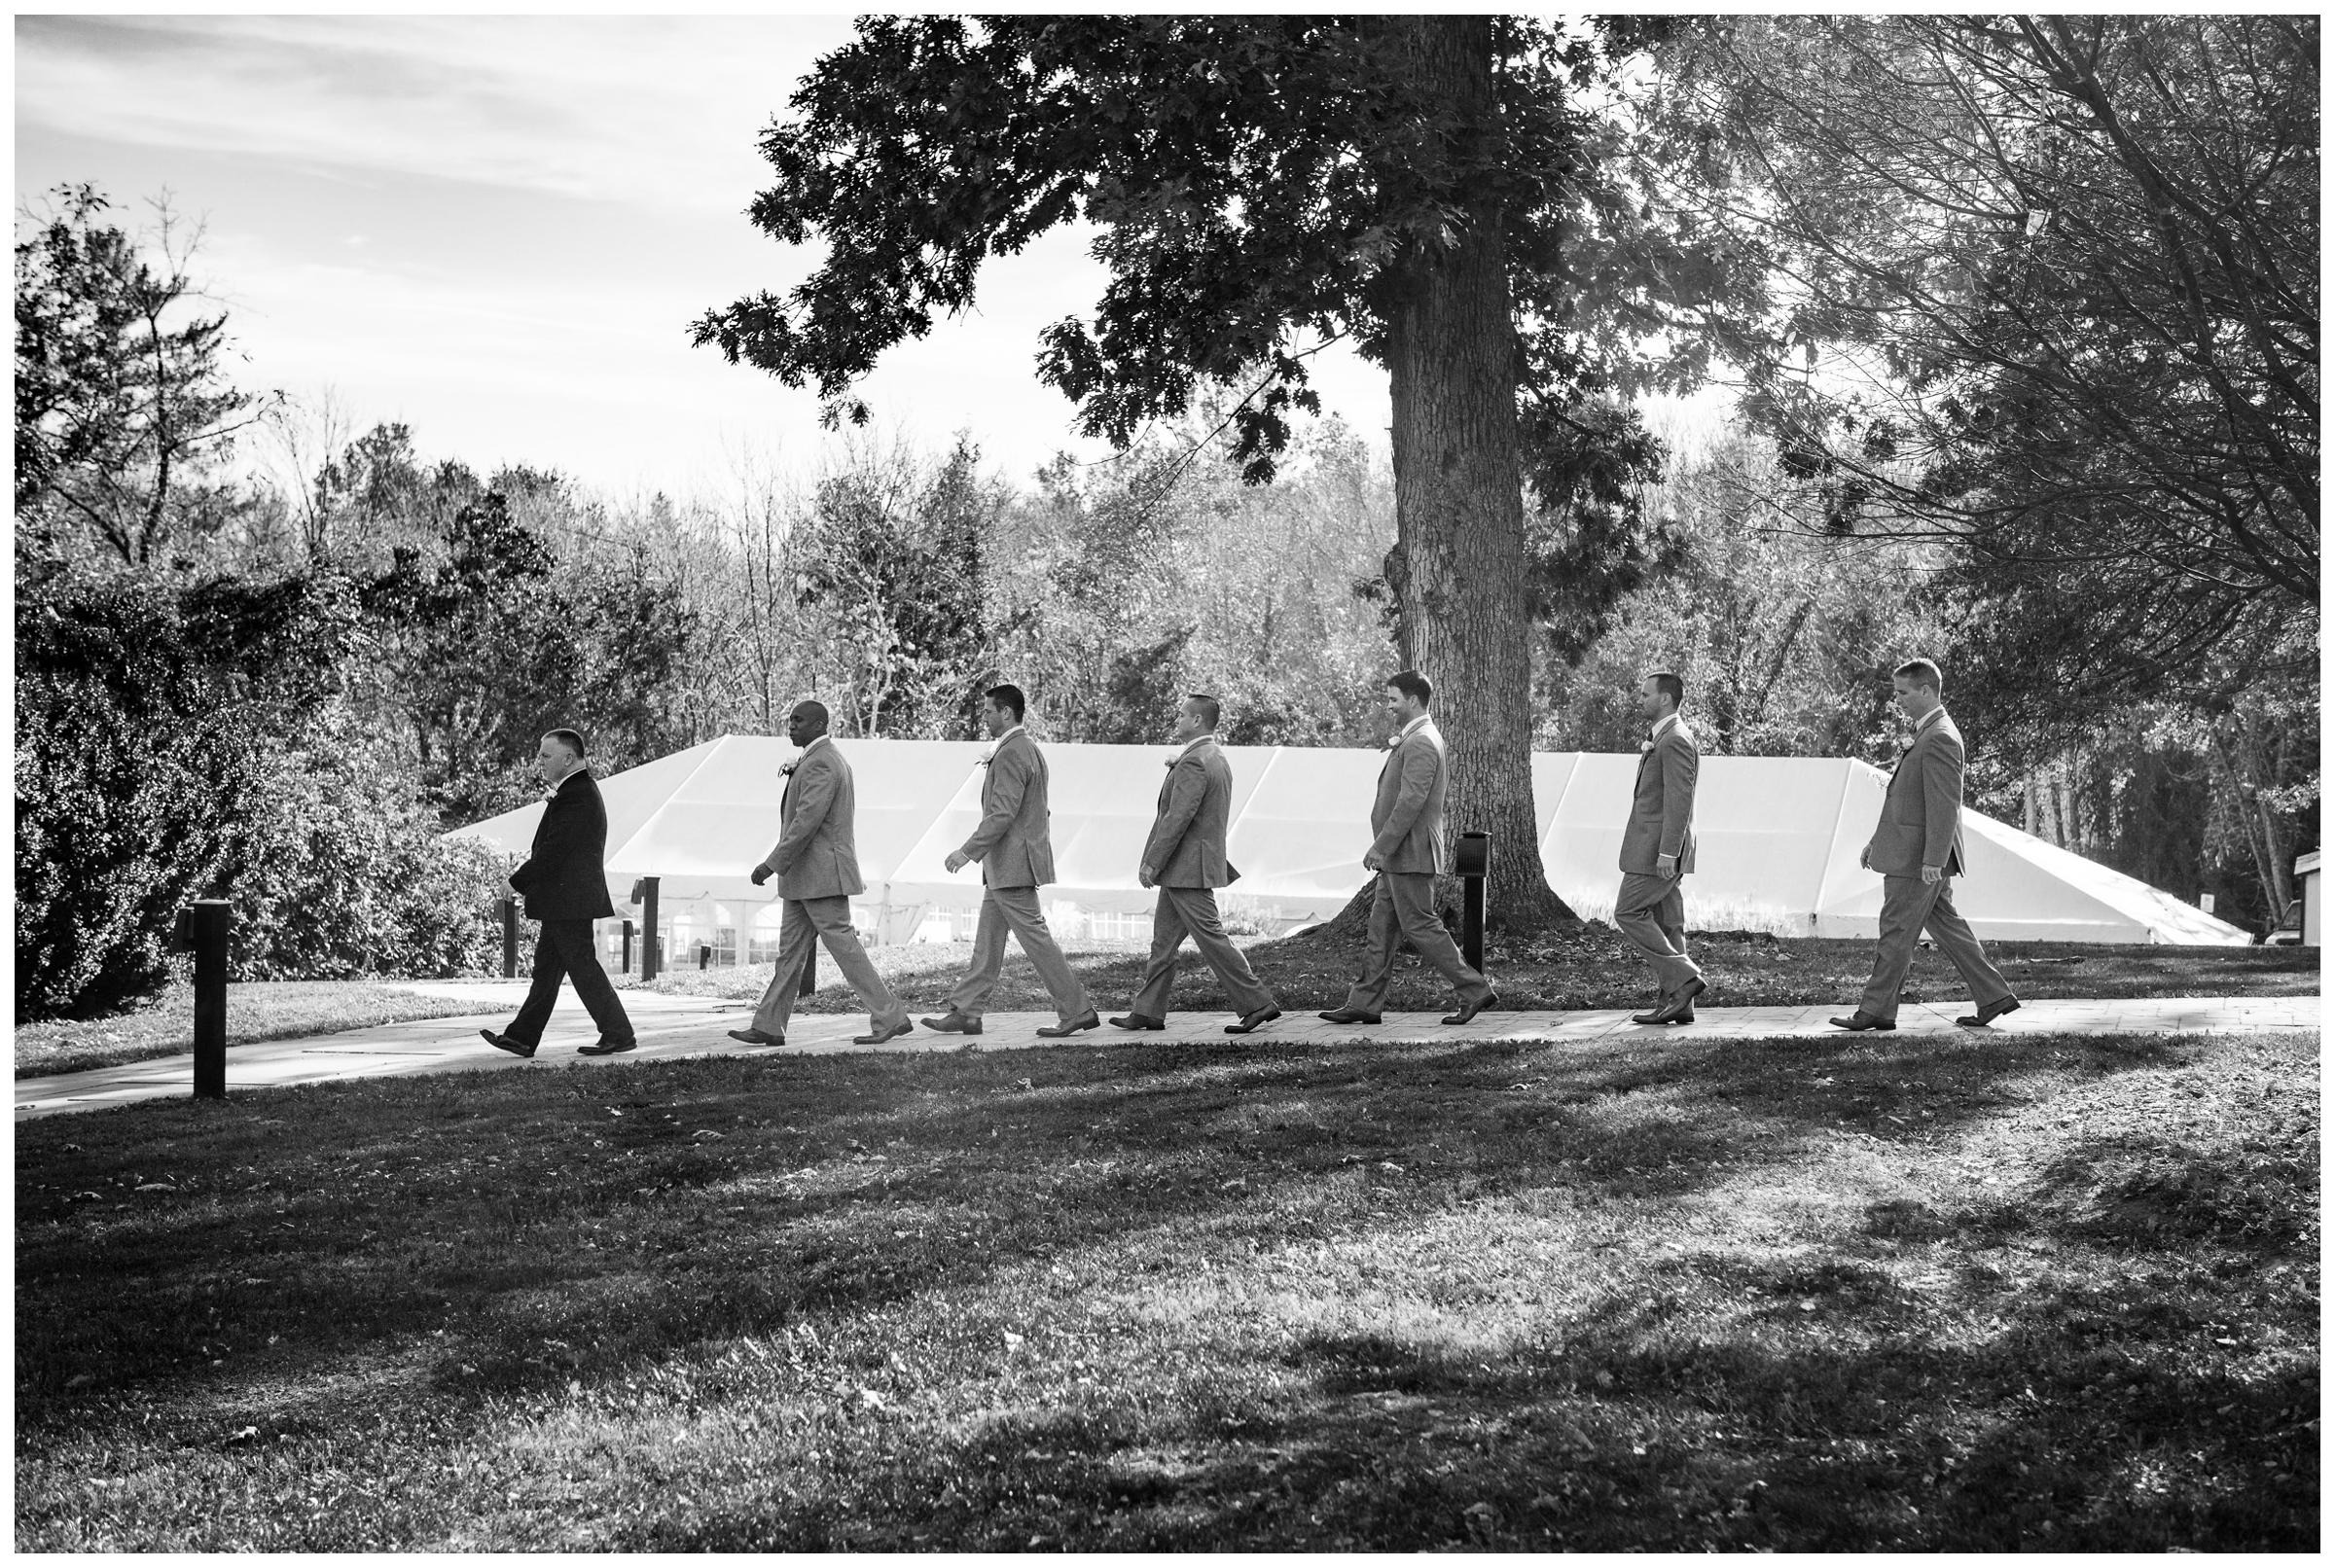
[{"x": 1453, "y": 358}]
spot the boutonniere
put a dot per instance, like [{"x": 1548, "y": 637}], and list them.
[
  {"x": 1645, "y": 745},
  {"x": 988, "y": 756},
  {"x": 1172, "y": 761},
  {"x": 787, "y": 769}
]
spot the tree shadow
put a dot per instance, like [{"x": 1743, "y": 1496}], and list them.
[{"x": 576, "y": 1264}]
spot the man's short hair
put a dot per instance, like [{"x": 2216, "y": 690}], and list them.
[
  {"x": 1008, "y": 696},
  {"x": 1412, "y": 684},
  {"x": 1668, "y": 683},
  {"x": 816, "y": 709},
  {"x": 568, "y": 738},
  {"x": 1922, "y": 673},
  {"x": 1210, "y": 710}
]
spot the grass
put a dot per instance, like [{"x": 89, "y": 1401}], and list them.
[
  {"x": 271, "y": 1009},
  {"x": 1595, "y": 969},
  {"x": 2049, "y": 1292}
]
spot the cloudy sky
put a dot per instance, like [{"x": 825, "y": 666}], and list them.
[{"x": 498, "y": 230}]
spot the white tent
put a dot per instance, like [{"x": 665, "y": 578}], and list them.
[{"x": 1777, "y": 843}]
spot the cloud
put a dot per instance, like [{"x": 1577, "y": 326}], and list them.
[{"x": 656, "y": 111}]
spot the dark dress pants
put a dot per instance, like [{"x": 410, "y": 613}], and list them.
[{"x": 564, "y": 949}]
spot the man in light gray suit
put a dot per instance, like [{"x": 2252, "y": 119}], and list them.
[
  {"x": 1184, "y": 858},
  {"x": 817, "y": 866},
  {"x": 1407, "y": 852},
  {"x": 1017, "y": 859},
  {"x": 1658, "y": 850},
  {"x": 1916, "y": 846}
]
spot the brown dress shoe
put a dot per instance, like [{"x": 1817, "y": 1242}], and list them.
[
  {"x": 1138, "y": 1020},
  {"x": 503, "y": 1042},
  {"x": 755, "y": 1037},
  {"x": 1253, "y": 1022},
  {"x": 953, "y": 1022},
  {"x": 1088, "y": 1020}
]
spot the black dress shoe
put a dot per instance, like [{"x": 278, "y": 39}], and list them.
[
  {"x": 881, "y": 1035},
  {"x": 1138, "y": 1020},
  {"x": 1678, "y": 1009},
  {"x": 503, "y": 1042},
  {"x": 1064, "y": 1031},
  {"x": 1467, "y": 1014},
  {"x": 953, "y": 1022},
  {"x": 1348, "y": 1015},
  {"x": 1861, "y": 1019},
  {"x": 755, "y": 1037},
  {"x": 1254, "y": 1021},
  {"x": 605, "y": 1046},
  {"x": 1989, "y": 1013}
]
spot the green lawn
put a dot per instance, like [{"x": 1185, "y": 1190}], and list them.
[
  {"x": 269, "y": 1010},
  {"x": 2053, "y": 1293},
  {"x": 1594, "y": 969}
]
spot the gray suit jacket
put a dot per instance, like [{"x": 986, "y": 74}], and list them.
[
  {"x": 1011, "y": 842},
  {"x": 1186, "y": 847},
  {"x": 1922, "y": 817},
  {"x": 1662, "y": 809},
  {"x": 815, "y": 857},
  {"x": 1406, "y": 820}
]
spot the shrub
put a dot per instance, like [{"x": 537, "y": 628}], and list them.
[{"x": 175, "y": 743}]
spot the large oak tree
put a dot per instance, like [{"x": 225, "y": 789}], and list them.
[{"x": 1437, "y": 191}]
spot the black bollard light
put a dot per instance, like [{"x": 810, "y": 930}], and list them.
[
  {"x": 811, "y": 973},
  {"x": 1473, "y": 863},
  {"x": 704, "y": 954},
  {"x": 644, "y": 894},
  {"x": 509, "y": 939},
  {"x": 202, "y": 930},
  {"x": 627, "y": 965}
]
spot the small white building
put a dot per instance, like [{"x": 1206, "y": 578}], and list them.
[{"x": 2306, "y": 870}]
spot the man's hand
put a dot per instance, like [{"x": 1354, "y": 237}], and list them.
[
  {"x": 513, "y": 886},
  {"x": 1373, "y": 860},
  {"x": 957, "y": 862},
  {"x": 1864, "y": 856},
  {"x": 760, "y": 874},
  {"x": 1144, "y": 877},
  {"x": 1932, "y": 873},
  {"x": 1665, "y": 866}
]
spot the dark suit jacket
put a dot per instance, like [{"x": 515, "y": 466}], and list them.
[
  {"x": 564, "y": 876},
  {"x": 1921, "y": 817},
  {"x": 1186, "y": 847}
]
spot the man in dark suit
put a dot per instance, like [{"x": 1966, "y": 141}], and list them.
[
  {"x": 1658, "y": 850},
  {"x": 1916, "y": 846},
  {"x": 1407, "y": 851},
  {"x": 1184, "y": 858},
  {"x": 566, "y": 882},
  {"x": 1014, "y": 843}
]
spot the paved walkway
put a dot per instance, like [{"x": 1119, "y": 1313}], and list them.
[{"x": 676, "y": 1026}]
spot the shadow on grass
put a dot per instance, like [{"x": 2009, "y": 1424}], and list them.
[{"x": 508, "y": 1235}]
